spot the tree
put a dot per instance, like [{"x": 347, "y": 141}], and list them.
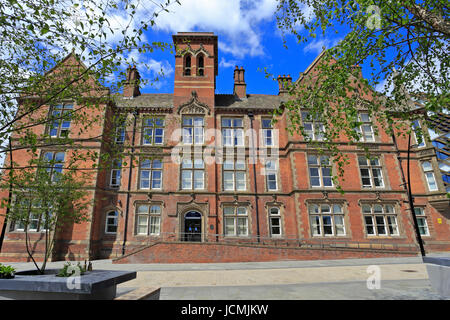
[
  {"x": 46, "y": 199},
  {"x": 46, "y": 87},
  {"x": 404, "y": 44},
  {"x": 36, "y": 36}
]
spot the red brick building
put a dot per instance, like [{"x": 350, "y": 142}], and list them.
[{"x": 223, "y": 200}]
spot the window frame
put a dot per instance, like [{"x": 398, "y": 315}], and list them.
[
  {"x": 61, "y": 120},
  {"x": 235, "y": 216},
  {"x": 370, "y": 167},
  {"x": 115, "y": 218},
  {"x": 360, "y": 129},
  {"x": 153, "y": 127},
  {"x": 193, "y": 127},
  {"x": 151, "y": 170},
  {"x": 317, "y": 128},
  {"x": 320, "y": 215},
  {"x": 320, "y": 166},
  {"x": 118, "y": 169},
  {"x": 267, "y": 128},
  {"x": 385, "y": 214},
  {"x": 233, "y": 129},
  {"x": 53, "y": 163},
  {"x": 120, "y": 133},
  {"x": 415, "y": 124},
  {"x": 234, "y": 171},
  {"x": 40, "y": 224},
  {"x": 429, "y": 171},
  {"x": 271, "y": 172},
  {"x": 149, "y": 215},
  {"x": 422, "y": 217},
  {"x": 280, "y": 221},
  {"x": 192, "y": 169}
]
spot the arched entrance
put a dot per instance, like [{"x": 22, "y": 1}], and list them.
[{"x": 192, "y": 226}]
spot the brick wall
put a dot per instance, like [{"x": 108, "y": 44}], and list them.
[
  {"x": 293, "y": 195},
  {"x": 218, "y": 253}
]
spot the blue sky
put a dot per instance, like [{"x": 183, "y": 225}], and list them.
[{"x": 247, "y": 34}]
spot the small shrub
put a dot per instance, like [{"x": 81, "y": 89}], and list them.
[
  {"x": 7, "y": 272},
  {"x": 66, "y": 272}
]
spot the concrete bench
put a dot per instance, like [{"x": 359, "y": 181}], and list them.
[{"x": 93, "y": 285}]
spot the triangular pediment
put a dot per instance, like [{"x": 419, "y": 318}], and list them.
[{"x": 72, "y": 70}]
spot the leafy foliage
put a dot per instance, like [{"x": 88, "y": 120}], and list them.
[
  {"x": 403, "y": 44},
  {"x": 36, "y": 38},
  {"x": 43, "y": 51},
  {"x": 69, "y": 270},
  {"x": 47, "y": 199},
  {"x": 6, "y": 271}
]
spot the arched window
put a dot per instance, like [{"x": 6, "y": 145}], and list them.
[
  {"x": 187, "y": 65},
  {"x": 111, "y": 222},
  {"x": 200, "y": 65}
]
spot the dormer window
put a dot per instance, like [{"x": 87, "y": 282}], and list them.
[
  {"x": 200, "y": 65},
  {"x": 187, "y": 65}
]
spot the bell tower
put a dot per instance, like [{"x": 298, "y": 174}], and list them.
[{"x": 196, "y": 66}]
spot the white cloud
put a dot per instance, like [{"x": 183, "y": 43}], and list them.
[
  {"x": 228, "y": 64},
  {"x": 421, "y": 82},
  {"x": 381, "y": 87},
  {"x": 150, "y": 68},
  {"x": 236, "y": 21},
  {"x": 317, "y": 46}
]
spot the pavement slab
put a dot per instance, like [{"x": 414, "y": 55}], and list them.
[
  {"x": 252, "y": 277},
  {"x": 354, "y": 290},
  {"x": 401, "y": 278}
]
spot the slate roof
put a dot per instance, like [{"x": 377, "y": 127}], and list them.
[
  {"x": 222, "y": 101},
  {"x": 153, "y": 100},
  {"x": 253, "y": 101}
]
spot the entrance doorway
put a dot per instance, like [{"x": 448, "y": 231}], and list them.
[{"x": 193, "y": 226}]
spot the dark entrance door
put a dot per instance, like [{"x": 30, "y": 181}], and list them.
[{"x": 193, "y": 226}]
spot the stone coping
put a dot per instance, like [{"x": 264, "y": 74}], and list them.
[
  {"x": 443, "y": 261},
  {"x": 89, "y": 283}
]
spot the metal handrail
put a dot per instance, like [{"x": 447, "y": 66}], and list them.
[{"x": 286, "y": 240}]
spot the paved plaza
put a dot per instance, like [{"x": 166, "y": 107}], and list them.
[{"x": 401, "y": 278}]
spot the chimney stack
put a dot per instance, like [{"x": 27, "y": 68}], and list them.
[
  {"x": 358, "y": 71},
  {"x": 239, "y": 83},
  {"x": 131, "y": 87},
  {"x": 284, "y": 83}
]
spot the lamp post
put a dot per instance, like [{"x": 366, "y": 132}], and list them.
[{"x": 411, "y": 201}]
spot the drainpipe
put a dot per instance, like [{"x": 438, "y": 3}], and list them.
[
  {"x": 135, "y": 114},
  {"x": 216, "y": 186},
  {"x": 251, "y": 116}
]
